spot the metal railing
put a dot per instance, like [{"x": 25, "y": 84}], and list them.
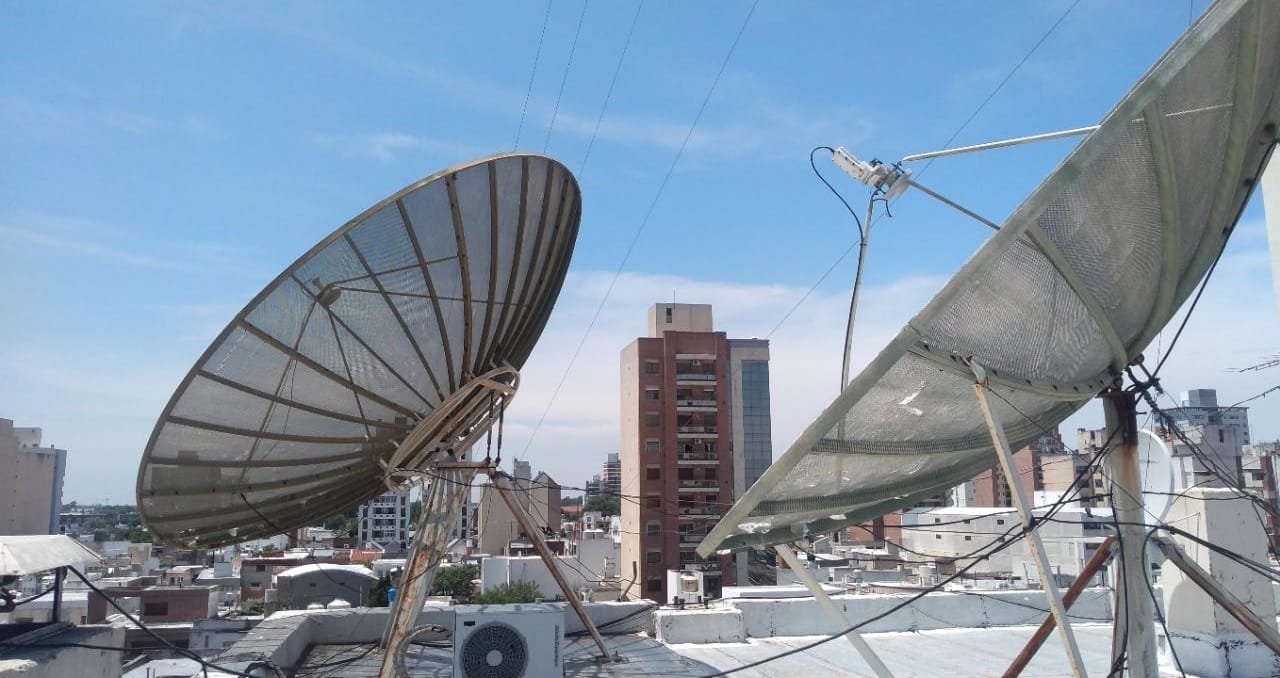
[
  {"x": 696, "y": 429},
  {"x": 690, "y": 402},
  {"x": 700, "y": 484},
  {"x": 695, "y": 376}
]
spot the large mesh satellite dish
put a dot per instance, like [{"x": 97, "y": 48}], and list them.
[
  {"x": 1078, "y": 280},
  {"x": 379, "y": 349}
]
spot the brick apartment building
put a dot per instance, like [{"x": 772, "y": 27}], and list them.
[{"x": 695, "y": 432}]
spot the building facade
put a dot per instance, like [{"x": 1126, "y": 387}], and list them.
[
  {"x": 683, "y": 400},
  {"x": 1200, "y": 409},
  {"x": 384, "y": 520},
  {"x": 30, "y": 481},
  {"x": 611, "y": 475}
]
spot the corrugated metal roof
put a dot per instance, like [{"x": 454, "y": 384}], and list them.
[{"x": 29, "y": 554}]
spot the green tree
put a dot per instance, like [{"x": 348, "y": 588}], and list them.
[
  {"x": 378, "y": 593},
  {"x": 456, "y": 582},
  {"x": 505, "y": 594},
  {"x": 607, "y": 506},
  {"x": 251, "y": 607}
]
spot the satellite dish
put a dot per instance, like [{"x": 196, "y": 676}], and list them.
[
  {"x": 1075, "y": 284},
  {"x": 393, "y": 341},
  {"x": 1156, "y": 463}
]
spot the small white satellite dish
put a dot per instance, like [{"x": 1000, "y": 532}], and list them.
[{"x": 1156, "y": 464}]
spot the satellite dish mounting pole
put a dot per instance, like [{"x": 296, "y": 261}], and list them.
[
  {"x": 1047, "y": 582},
  {"x": 1133, "y": 597},
  {"x": 446, "y": 497}
]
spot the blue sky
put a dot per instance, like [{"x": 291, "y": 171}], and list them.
[{"x": 163, "y": 161}]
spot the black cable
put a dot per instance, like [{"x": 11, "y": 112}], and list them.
[
  {"x": 1080, "y": 477},
  {"x": 573, "y": 47},
  {"x": 1230, "y": 230},
  {"x": 861, "y": 233},
  {"x": 542, "y": 34},
  {"x": 608, "y": 95},
  {"x": 644, "y": 223},
  {"x": 45, "y": 592},
  {"x": 204, "y": 664}
]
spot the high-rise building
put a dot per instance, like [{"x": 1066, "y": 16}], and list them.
[
  {"x": 30, "y": 481},
  {"x": 611, "y": 475},
  {"x": 1200, "y": 409},
  {"x": 694, "y": 427},
  {"x": 384, "y": 520}
]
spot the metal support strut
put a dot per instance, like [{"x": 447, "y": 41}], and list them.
[
  {"x": 444, "y": 501},
  {"x": 1134, "y": 609},
  {"x": 829, "y": 607},
  {"x": 502, "y": 483},
  {"x": 1005, "y": 455}
]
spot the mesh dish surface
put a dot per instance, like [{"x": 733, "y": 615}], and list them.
[
  {"x": 292, "y": 409},
  {"x": 1077, "y": 282}
]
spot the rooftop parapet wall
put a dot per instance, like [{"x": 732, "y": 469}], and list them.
[{"x": 767, "y": 618}]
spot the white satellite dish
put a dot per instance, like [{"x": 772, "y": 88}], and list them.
[{"x": 1156, "y": 462}]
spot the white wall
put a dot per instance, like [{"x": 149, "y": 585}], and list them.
[{"x": 498, "y": 570}]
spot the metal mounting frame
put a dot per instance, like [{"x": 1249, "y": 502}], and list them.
[
  {"x": 1039, "y": 555},
  {"x": 829, "y": 608}
]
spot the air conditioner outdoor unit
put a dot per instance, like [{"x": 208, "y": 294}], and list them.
[{"x": 507, "y": 641}]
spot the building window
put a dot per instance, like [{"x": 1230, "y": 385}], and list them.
[
  {"x": 652, "y": 447},
  {"x": 653, "y": 502},
  {"x": 653, "y": 473},
  {"x": 650, "y": 367},
  {"x": 999, "y": 521},
  {"x": 653, "y": 557},
  {"x": 651, "y": 394},
  {"x": 653, "y": 528},
  {"x": 259, "y": 568},
  {"x": 651, "y": 419},
  {"x": 159, "y": 608},
  {"x": 654, "y": 585},
  {"x": 668, "y": 309},
  {"x": 937, "y": 520},
  {"x": 937, "y": 536}
]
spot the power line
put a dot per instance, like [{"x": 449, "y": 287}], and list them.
[
  {"x": 644, "y": 222},
  {"x": 537, "y": 54},
  {"x": 608, "y": 95},
  {"x": 972, "y": 116},
  {"x": 573, "y": 46}
]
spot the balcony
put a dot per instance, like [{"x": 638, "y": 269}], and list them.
[
  {"x": 695, "y": 431},
  {"x": 692, "y": 405},
  {"x": 696, "y": 377},
  {"x": 692, "y": 537},
  {"x": 697, "y": 458},
  {"x": 699, "y": 485},
  {"x": 699, "y": 514}
]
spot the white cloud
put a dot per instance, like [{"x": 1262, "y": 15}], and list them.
[
  {"x": 92, "y": 239},
  {"x": 102, "y": 407},
  {"x": 386, "y": 146}
]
